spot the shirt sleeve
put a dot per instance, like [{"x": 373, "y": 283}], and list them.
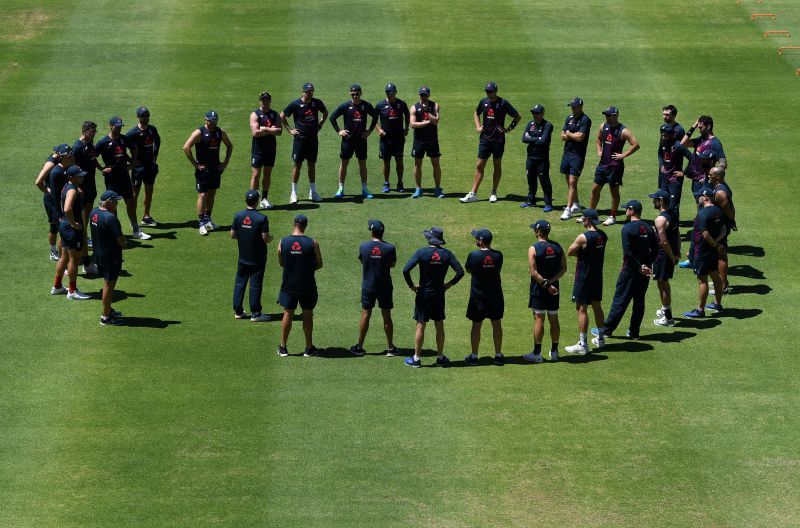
[
  {"x": 627, "y": 247},
  {"x": 716, "y": 145},
  {"x": 265, "y": 225},
  {"x": 510, "y": 110},
  {"x": 116, "y": 227},
  {"x": 479, "y": 108},
  {"x": 456, "y": 265},
  {"x": 156, "y": 141},
  {"x": 406, "y": 115},
  {"x": 546, "y": 133},
  {"x": 585, "y": 125},
  {"x": 412, "y": 262},
  {"x": 392, "y": 255}
]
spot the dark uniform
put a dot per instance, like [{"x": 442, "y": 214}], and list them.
[
  {"x": 639, "y": 247},
  {"x": 537, "y": 164},
  {"x": 207, "y": 152},
  {"x": 71, "y": 238},
  {"x": 426, "y": 139},
  {"x": 114, "y": 153},
  {"x": 588, "y": 285},
  {"x": 56, "y": 182},
  {"x": 663, "y": 267},
  {"x": 677, "y": 133},
  {"x": 355, "y": 122},
  {"x": 48, "y": 200},
  {"x": 694, "y": 170},
  {"x": 706, "y": 258},
  {"x": 306, "y": 121},
  {"x": 493, "y": 114},
  {"x": 670, "y": 161},
  {"x": 299, "y": 265},
  {"x": 86, "y": 159},
  {"x": 575, "y": 152},
  {"x": 729, "y": 223},
  {"x": 394, "y": 119},
  {"x": 433, "y": 264},
  {"x": 249, "y": 226},
  {"x": 486, "y": 289},
  {"x": 106, "y": 229},
  {"x": 263, "y": 148},
  {"x": 610, "y": 171},
  {"x": 144, "y": 144},
  {"x": 377, "y": 258},
  {"x": 548, "y": 263}
]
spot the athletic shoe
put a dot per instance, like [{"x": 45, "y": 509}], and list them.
[
  {"x": 714, "y": 307},
  {"x": 566, "y": 214},
  {"x": 609, "y": 221},
  {"x": 54, "y": 256},
  {"x": 492, "y": 198},
  {"x": 685, "y": 264},
  {"x": 629, "y": 336},
  {"x": 499, "y": 360},
  {"x": 90, "y": 269},
  {"x": 660, "y": 313},
  {"x": 400, "y": 187},
  {"x": 293, "y": 199},
  {"x": 242, "y": 315},
  {"x": 339, "y": 194},
  {"x": 554, "y": 356},
  {"x": 695, "y": 314},
  {"x": 596, "y": 332},
  {"x": 438, "y": 192},
  {"x": 469, "y": 197},
  {"x": 599, "y": 343},
  {"x": 547, "y": 208},
  {"x": 203, "y": 230},
  {"x": 576, "y": 208},
  {"x": 663, "y": 321},
  {"x": 532, "y": 358},
  {"x": 77, "y": 295},
  {"x": 417, "y": 193},
  {"x": 411, "y": 363},
  {"x": 109, "y": 321},
  {"x": 357, "y": 350},
  {"x": 149, "y": 221},
  {"x": 727, "y": 290},
  {"x": 392, "y": 352},
  {"x": 526, "y": 203},
  {"x": 577, "y": 348},
  {"x": 471, "y": 361},
  {"x": 260, "y": 318},
  {"x": 58, "y": 291},
  {"x": 386, "y": 187},
  {"x": 211, "y": 225},
  {"x": 116, "y": 314},
  {"x": 141, "y": 235},
  {"x": 312, "y": 351},
  {"x": 366, "y": 195},
  {"x": 314, "y": 196},
  {"x": 443, "y": 362},
  {"x": 283, "y": 351}
]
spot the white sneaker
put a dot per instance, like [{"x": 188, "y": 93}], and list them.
[
  {"x": 264, "y": 204},
  {"x": 260, "y": 318},
  {"x": 469, "y": 197},
  {"x": 660, "y": 313},
  {"x": 493, "y": 198},
  {"x": 203, "y": 230},
  {"x": 90, "y": 269},
  {"x": 314, "y": 196},
  {"x": 58, "y": 291},
  {"x": 553, "y": 356},
  {"x": 576, "y": 208},
  {"x": 210, "y": 225},
  {"x": 141, "y": 235},
  {"x": 77, "y": 295},
  {"x": 599, "y": 343},
  {"x": 293, "y": 198},
  {"x": 663, "y": 321},
  {"x": 54, "y": 256},
  {"x": 609, "y": 221},
  {"x": 565, "y": 215},
  {"x": 577, "y": 348},
  {"x": 532, "y": 358}
]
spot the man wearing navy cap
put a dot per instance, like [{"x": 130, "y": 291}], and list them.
[
  {"x": 307, "y": 123},
  {"x": 639, "y": 250},
  {"x": 709, "y": 231},
  {"x": 425, "y": 122},
  {"x": 354, "y": 136},
  {"x": 547, "y": 263},
  {"x": 113, "y": 150},
  {"x": 490, "y": 123},
  {"x": 537, "y": 135},
  {"x": 207, "y": 167},
  {"x": 392, "y": 130},
  {"x": 300, "y": 257},
  {"x": 669, "y": 242},
  {"x": 108, "y": 243},
  {"x": 70, "y": 229},
  {"x": 611, "y": 137},
  {"x": 485, "y": 294},
  {"x": 433, "y": 261},
  {"x": 265, "y": 126},
  {"x": 61, "y": 156},
  {"x": 251, "y": 230},
  {"x": 377, "y": 259},
  {"x": 589, "y": 248},
  {"x": 144, "y": 142},
  {"x": 575, "y": 135}
]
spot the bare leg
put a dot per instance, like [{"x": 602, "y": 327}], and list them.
[
  {"x": 614, "y": 200},
  {"x": 583, "y": 318},
  {"x": 210, "y": 196},
  {"x": 497, "y": 334},
  {"x": 480, "y": 167},
  {"x": 594, "y": 199},
  {"x": 255, "y": 178},
  {"x": 722, "y": 264},
  {"x": 308, "y": 327},
  {"x": 702, "y": 292},
  {"x": 419, "y": 339},
  {"x": 497, "y": 174},
  {"x": 388, "y": 327},
  {"x": 108, "y": 296},
  {"x": 665, "y": 292},
  {"x": 439, "y": 337},
  {"x": 296, "y": 172},
  {"x": 387, "y": 169},
  {"x": 572, "y": 196},
  {"x": 362, "y": 170},
  {"x": 130, "y": 207},
  {"x": 437, "y": 172},
  {"x": 363, "y": 326},
  {"x": 148, "y": 198},
  {"x": 538, "y": 328},
  {"x": 475, "y": 336},
  {"x": 418, "y": 172},
  {"x": 717, "y": 279},
  {"x": 312, "y": 172},
  {"x": 555, "y": 327},
  {"x": 267, "y": 182},
  {"x": 343, "y": 171},
  {"x": 286, "y": 326},
  {"x": 201, "y": 203},
  {"x": 399, "y": 168}
]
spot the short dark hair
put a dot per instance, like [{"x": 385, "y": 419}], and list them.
[
  {"x": 252, "y": 201},
  {"x": 671, "y": 108},
  {"x": 707, "y": 121},
  {"x": 88, "y": 125}
]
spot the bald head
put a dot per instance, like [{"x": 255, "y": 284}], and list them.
[{"x": 716, "y": 174}]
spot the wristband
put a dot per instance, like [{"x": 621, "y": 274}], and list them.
[{"x": 690, "y": 132}]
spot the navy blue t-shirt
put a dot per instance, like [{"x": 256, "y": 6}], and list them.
[
  {"x": 306, "y": 115},
  {"x": 612, "y": 141},
  {"x": 77, "y": 203},
  {"x": 670, "y": 159},
  {"x": 723, "y": 187},
  {"x": 249, "y": 226},
  {"x": 265, "y": 143},
  {"x": 433, "y": 263},
  {"x": 639, "y": 245},
  {"x": 711, "y": 219},
  {"x": 485, "y": 266},
  {"x": 207, "y": 149},
  {"x": 56, "y": 181},
  {"x": 144, "y": 144},
  {"x": 589, "y": 267},
  {"x": 548, "y": 261},
  {"x": 695, "y": 168},
  {"x": 493, "y": 116},
  {"x": 577, "y": 124},
  {"x": 106, "y": 229},
  {"x": 394, "y": 117},
  {"x": 299, "y": 264},
  {"x": 377, "y": 258},
  {"x": 355, "y": 117},
  {"x": 673, "y": 234},
  {"x": 85, "y": 158},
  {"x": 538, "y": 136},
  {"x": 430, "y": 133},
  {"x": 114, "y": 153}
]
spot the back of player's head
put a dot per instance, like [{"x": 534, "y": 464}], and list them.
[
  {"x": 376, "y": 227},
  {"x": 88, "y": 125},
  {"x": 541, "y": 226},
  {"x": 300, "y": 221},
  {"x": 251, "y": 197},
  {"x": 671, "y": 109},
  {"x": 707, "y": 121}
]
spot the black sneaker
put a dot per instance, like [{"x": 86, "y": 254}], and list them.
[
  {"x": 471, "y": 361},
  {"x": 499, "y": 359},
  {"x": 443, "y": 362},
  {"x": 149, "y": 221},
  {"x": 283, "y": 351},
  {"x": 109, "y": 321},
  {"x": 312, "y": 351},
  {"x": 357, "y": 350},
  {"x": 115, "y": 313},
  {"x": 392, "y": 351}
]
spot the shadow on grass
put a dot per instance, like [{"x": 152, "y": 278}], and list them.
[
  {"x": 739, "y": 313},
  {"x": 133, "y": 243},
  {"x": 119, "y": 295},
  {"x": 745, "y": 270},
  {"x": 394, "y": 196},
  {"x": 170, "y": 235},
  {"x": 627, "y": 346},
  {"x": 296, "y": 207},
  {"x": 174, "y": 225},
  {"x": 748, "y": 251},
  {"x": 337, "y": 353},
  {"x": 700, "y": 324},
  {"x": 758, "y": 289},
  {"x": 669, "y": 337},
  {"x": 147, "y": 322}
]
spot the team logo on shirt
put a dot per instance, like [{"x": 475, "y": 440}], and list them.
[
  {"x": 392, "y": 112},
  {"x": 376, "y": 251},
  {"x": 296, "y": 249},
  {"x": 95, "y": 217},
  {"x": 609, "y": 138},
  {"x": 642, "y": 230},
  {"x": 435, "y": 258},
  {"x": 549, "y": 251},
  {"x": 118, "y": 150},
  {"x": 599, "y": 243},
  {"x": 488, "y": 262},
  {"x": 490, "y": 113},
  {"x": 247, "y": 221}
]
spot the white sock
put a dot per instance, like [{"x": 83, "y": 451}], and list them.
[
  {"x": 53, "y": 248},
  {"x": 583, "y": 339},
  {"x": 294, "y": 188}
]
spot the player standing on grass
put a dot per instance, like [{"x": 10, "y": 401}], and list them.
[
  {"x": 587, "y": 290},
  {"x": 490, "y": 122},
  {"x": 425, "y": 121},
  {"x": 300, "y": 258},
  {"x": 251, "y": 230},
  {"x": 145, "y": 143},
  {"x": 670, "y": 167},
  {"x": 485, "y": 295},
  {"x": 377, "y": 259},
  {"x": 113, "y": 149},
  {"x": 354, "y": 136},
  {"x": 70, "y": 228},
  {"x": 50, "y": 207},
  {"x": 265, "y": 125},
  {"x": 306, "y": 113},
  {"x": 207, "y": 167},
  {"x": 108, "y": 245},
  {"x": 704, "y": 146},
  {"x": 392, "y": 131},
  {"x": 547, "y": 264},
  {"x": 669, "y": 241},
  {"x": 575, "y": 135},
  {"x": 709, "y": 231},
  {"x": 611, "y": 137},
  {"x": 669, "y": 113},
  {"x": 86, "y": 159},
  {"x": 723, "y": 198},
  {"x": 537, "y": 135},
  {"x": 433, "y": 262}
]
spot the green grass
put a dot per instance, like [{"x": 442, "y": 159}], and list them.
[{"x": 191, "y": 418}]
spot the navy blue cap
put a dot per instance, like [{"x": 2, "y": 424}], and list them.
[
  {"x": 491, "y": 86},
  {"x": 636, "y": 205},
  {"x": 537, "y": 109},
  {"x": 704, "y": 191},
  {"x": 300, "y": 219},
  {"x": 577, "y": 101},
  {"x": 483, "y": 234},
  {"x": 74, "y": 171},
  {"x": 63, "y": 149},
  {"x": 541, "y": 225},
  {"x": 115, "y": 121},
  {"x": 110, "y": 195},
  {"x": 308, "y": 87},
  {"x": 375, "y": 225},
  {"x": 661, "y": 193},
  {"x": 252, "y": 194},
  {"x": 434, "y": 236},
  {"x": 390, "y": 88},
  {"x": 591, "y": 215},
  {"x": 264, "y": 95},
  {"x": 424, "y": 90},
  {"x": 611, "y": 110},
  {"x": 211, "y": 115},
  {"x": 142, "y": 110},
  {"x": 666, "y": 128},
  {"x": 355, "y": 87}
]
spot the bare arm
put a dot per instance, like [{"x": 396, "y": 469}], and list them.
[
  {"x": 280, "y": 256},
  {"x": 187, "y": 149},
  {"x": 255, "y": 129},
  {"x": 661, "y": 228},
  {"x": 435, "y": 118},
  {"x": 579, "y": 244},
  {"x": 598, "y": 142},
  {"x": 69, "y": 200},
  {"x": 285, "y": 123},
  {"x": 267, "y": 237},
  {"x": 632, "y": 141},
  {"x": 41, "y": 179},
  {"x": 228, "y": 148},
  {"x": 317, "y": 255},
  {"x": 477, "y": 118},
  {"x": 413, "y": 123}
]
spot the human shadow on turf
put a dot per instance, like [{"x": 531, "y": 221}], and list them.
[
  {"x": 147, "y": 322},
  {"x": 488, "y": 361},
  {"x": 668, "y": 337},
  {"x": 626, "y": 346},
  {"x": 295, "y": 207},
  {"x": 135, "y": 244},
  {"x": 739, "y": 313},
  {"x": 396, "y": 196},
  {"x": 748, "y": 251},
  {"x": 119, "y": 295},
  {"x": 173, "y": 225},
  {"x": 168, "y": 235},
  {"x": 758, "y": 289},
  {"x": 699, "y": 324},
  {"x": 745, "y": 270}
]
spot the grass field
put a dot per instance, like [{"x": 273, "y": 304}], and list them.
[{"x": 185, "y": 417}]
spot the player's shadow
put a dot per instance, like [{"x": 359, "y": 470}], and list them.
[
  {"x": 119, "y": 295},
  {"x": 125, "y": 273},
  {"x": 580, "y": 360},
  {"x": 278, "y": 316},
  {"x": 758, "y": 289},
  {"x": 168, "y": 235},
  {"x": 748, "y": 251},
  {"x": 699, "y": 324},
  {"x": 740, "y": 313},
  {"x": 173, "y": 225},
  {"x": 745, "y": 270},
  {"x": 147, "y": 322},
  {"x": 627, "y": 346},
  {"x": 516, "y": 198},
  {"x": 392, "y": 196},
  {"x": 669, "y": 337},
  {"x": 400, "y": 352},
  {"x": 337, "y": 353},
  {"x": 295, "y": 207},
  {"x": 135, "y": 244}
]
